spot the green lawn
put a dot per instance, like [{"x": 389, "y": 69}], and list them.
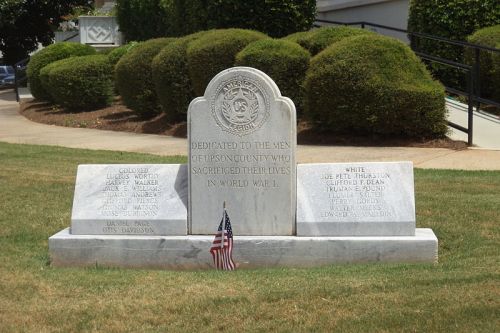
[{"x": 460, "y": 294}]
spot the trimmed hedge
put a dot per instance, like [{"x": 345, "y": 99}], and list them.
[
  {"x": 489, "y": 61},
  {"x": 453, "y": 19},
  {"x": 374, "y": 84},
  {"x": 50, "y": 54},
  {"x": 171, "y": 77},
  {"x": 215, "y": 51},
  {"x": 317, "y": 40},
  {"x": 116, "y": 54},
  {"x": 285, "y": 62},
  {"x": 134, "y": 78},
  {"x": 80, "y": 83}
]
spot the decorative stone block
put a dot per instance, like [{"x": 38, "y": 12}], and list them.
[
  {"x": 242, "y": 139},
  {"x": 130, "y": 199},
  {"x": 99, "y": 30},
  {"x": 355, "y": 199}
]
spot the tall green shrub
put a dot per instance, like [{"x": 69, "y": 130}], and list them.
[
  {"x": 80, "y": 83},
  {"x": 215, "y": 51},
  {"x": 317, "y": 40},
  {"x": 141, "y": 20},
  {"x": 489, "y": 61},
  {"x": 134, "y": 78},
  {"x": 374, "y": 84},
  {"x": 171, "y": 77},
  {"x": 277, "y": 18},
  {"x": 189, "y": 16},
  {"x": 453, "y": 19},
  {"x": 285, "y": 62},
  {"x": 144, "y": 19},
  {"x": 47, "y": 55}
]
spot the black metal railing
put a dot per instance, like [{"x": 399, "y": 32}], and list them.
[
  {"x": 20, "y": 76},
  {"x": 473, "y": 82}
]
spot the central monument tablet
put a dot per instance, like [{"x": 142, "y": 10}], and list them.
[{"x": 242, "y": 140}]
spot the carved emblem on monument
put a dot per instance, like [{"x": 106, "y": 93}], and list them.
[{"x": 240, "y": 106}]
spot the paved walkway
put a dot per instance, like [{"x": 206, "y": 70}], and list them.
[
  {"x": 14, "y": 128},
  {"x": 486, "y": 127}
]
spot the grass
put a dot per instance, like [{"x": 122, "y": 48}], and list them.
[{"x": 460, "y": 294}]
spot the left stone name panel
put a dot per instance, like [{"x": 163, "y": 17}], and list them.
[{"x": 130, "y": 199}]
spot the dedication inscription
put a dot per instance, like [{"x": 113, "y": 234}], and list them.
[
  {"x": 130, "y": 199},
  {"x": 242, "y": 140},
  {"x": 356, "y": 199}
]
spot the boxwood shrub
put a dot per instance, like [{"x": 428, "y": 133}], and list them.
[
  {"x": 284, "y": 61},
  {"x": 215, "y": 51},
  {"x": 374, "y": 84},
  {"x": 134, "y": 78},
  {"x": 80, "y": 83},
  {"x": 116, "y": 54},
  {"x": 489, "y": 61},
  {"x": 47, "y": 55},
  {"x": 171, "y": 77},
  {"x": 317, "y": 40}
]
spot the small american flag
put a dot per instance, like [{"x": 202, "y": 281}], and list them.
[{"x": 222, "y": 246}]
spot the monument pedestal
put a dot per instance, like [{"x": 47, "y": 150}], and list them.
[
  {"x": 192, "y": 252},
  {"x": 242, "y": 141}
]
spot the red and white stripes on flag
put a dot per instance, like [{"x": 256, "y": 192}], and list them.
[{"x": 222, "y": 246}]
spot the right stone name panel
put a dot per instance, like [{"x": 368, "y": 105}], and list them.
[{"x": 355, "y": 199}]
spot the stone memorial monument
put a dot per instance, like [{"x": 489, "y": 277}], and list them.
[{"x": 242, "y": 140}]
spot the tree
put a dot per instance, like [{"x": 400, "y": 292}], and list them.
[{"x": 25, "y": 23}]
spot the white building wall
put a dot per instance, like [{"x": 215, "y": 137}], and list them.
[{"x": 393, "y": 13}]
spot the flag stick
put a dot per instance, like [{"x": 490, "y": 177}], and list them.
[{"x": 223, "y": 224}]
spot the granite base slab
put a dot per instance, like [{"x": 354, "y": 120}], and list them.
[{"x": 191, "y": 252}]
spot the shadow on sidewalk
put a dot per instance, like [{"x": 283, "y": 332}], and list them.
[{"x": 7, "y": 95}]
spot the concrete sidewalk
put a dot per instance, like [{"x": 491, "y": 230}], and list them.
[
  {"x": 486, "y": 127},
  {"x": 14, "y": 128}
]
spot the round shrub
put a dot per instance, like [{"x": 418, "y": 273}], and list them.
[
  {"x": 215, "y": 51},
  {"x": 134, "y": 78},
  {"x": 80, "y": 83},
  {"x": 171, "y": 77},
  {"x": 298, "y": 37},
  {"x": 317, "y": 40},
  {"x": 285, "y": 62},
  {"x": 489, "y": 61},
  {"x": 50, "y": 54},
  {"x": 374, "y": 84},
  {"x": 115, "y": 55}
]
